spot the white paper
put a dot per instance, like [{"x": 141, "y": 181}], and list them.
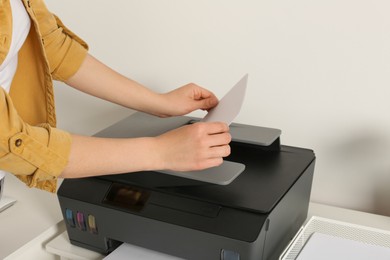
[
  {"x": 325, "y": 247},
  {"x": 131, "y": 252},
  {"x": 230, "y": 105}
]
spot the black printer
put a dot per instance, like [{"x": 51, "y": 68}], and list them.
[{"x": 253, "y": 217}]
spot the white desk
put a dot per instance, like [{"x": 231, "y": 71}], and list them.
[{"x": 55, "y": 239}]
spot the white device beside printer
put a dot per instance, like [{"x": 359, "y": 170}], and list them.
[
  {"x": 5, "y": 202},
  {"x": 2, "y": 176}
]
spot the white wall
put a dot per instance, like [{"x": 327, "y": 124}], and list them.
[{"x": 318, "y": 70}]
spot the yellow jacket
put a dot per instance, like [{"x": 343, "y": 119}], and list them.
[{"x": 30, "y": 145}]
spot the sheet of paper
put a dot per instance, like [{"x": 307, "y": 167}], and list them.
[
  {"x": 325, "y": 247},
  {"x": 230, "y": 105},
  {"x": 131, "y": 252}
]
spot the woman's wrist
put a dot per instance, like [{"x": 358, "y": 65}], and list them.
[{"x": 158, "y": 105}]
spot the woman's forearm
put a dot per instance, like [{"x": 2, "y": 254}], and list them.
[
  {"x": 92, "y": 156},
  {"x": 190, "y": 147},
  {"x": 97, "y": 79}
]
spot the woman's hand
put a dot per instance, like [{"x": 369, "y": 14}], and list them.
[
  {"x": 194, "y": 147},
  {"x": 186, "y": 99}
]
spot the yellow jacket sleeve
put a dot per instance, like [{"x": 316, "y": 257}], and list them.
[
  {"x": 65, "y": 51},
  {"x": 35, "y": 154}
]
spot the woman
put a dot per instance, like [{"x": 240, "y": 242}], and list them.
[{"x": 35, "y": 48}]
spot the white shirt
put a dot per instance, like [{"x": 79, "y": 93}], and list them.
[{"x": 20, "y": 28}]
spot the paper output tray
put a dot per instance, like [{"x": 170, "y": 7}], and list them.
[{"x": 223, "y": 174}]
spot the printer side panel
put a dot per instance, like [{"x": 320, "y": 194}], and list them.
[{"x": 289, "y": 215}]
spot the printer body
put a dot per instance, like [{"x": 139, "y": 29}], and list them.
[{"x": 253, "y": 217}]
